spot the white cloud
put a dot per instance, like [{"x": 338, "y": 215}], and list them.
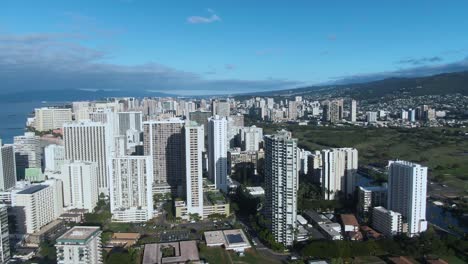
[{"x": 204, "y": 19}]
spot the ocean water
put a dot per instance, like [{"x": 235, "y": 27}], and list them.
[{"x": 13, "y": 118}]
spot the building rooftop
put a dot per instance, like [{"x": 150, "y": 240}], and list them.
[
  {"x": 183, "y": 252},
  {"x": 78, "y": 234},
  {"x": 33, "y": 189},
  {"x": 349, "y": 219}
]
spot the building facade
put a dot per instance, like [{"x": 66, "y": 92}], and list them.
[
  {"x": 281, "y": 185},
  {"x": 80, "y": 245},
  {"x": 386, "y": 221},
  {"x": 54, "y": 157},
  {"x": 164, "y": 142},
  {"x": 339, "y": 167},
  {"x": 217, "y": 152},
  {"x": 407, "y": 190},
  {"x": 131, "y": 189},
  {"x": 51, "y": 118},
  {"x": 7, "y": 167},
  {"x": 80, "y": 185},
  {"x": 194, "y": 144},
  {"x": 89, "y": 141}
]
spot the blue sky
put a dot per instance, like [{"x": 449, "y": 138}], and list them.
[{"x": 200, "y": 47}]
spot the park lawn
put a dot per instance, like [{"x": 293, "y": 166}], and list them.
[
  {"x": 251, "y": 256},
  {"x": 214, "y": 254},
  {"x": 441, "y": 149}
]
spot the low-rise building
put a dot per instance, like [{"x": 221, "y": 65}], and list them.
[
  {"x": 331, "y": 231},
  {"x": 171, "y": 253},
  {"x": 386, "y": 221},
  {"x": 80, "y": 245},
  {"x": 350, "y": 223},
  {"x": 234, "y": 239}
]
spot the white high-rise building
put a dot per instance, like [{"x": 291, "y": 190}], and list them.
[
  {"x": 4, "y": 235},
  {"x": 89, "y": 141},
  {"x": 131, "y": 195},
  {"x": 353, "y": 111},
  {"x": 404, "y": 115},
  {"x": 386, "y": 221},
  {"x": 339, "y": 172},
  {"x": 57, "y": 190},
  {"x": 407, "y": 189},
  {"x": 80, "y": 110},
  {"x": 7, "y": 167},
  {"x": 281, "y": 185},
  {"x": 80, "y": 245},
  {"x": 28, "y": 152},
  {"x": 51, "y": 118},
  {"x": 251, "y": 137},
  {"x": 371, "y": 117},
  {"x": 80, "y": 185},
  {"x": 129, "y": 121},
  {"x": 194, "y": 144},
  {"x": 217, "y": 151},
  {"x": 34, "y": 207},
  {"x": 54, "y": 157}
]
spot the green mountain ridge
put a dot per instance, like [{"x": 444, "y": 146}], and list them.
[{"x": 446, "y": 83}]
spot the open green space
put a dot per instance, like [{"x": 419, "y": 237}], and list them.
[
  {"x": 443, "y": 150},
  {"x": 220, "y": 255}
]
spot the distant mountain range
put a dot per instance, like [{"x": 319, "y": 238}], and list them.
[
  {"x": 73, "y": 95},
  {"x": 446, "y": 83}
]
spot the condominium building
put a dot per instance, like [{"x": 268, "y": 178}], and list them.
[
  {"x": 89, "y": 141},
  {"x": 129, "y": 121},
  {"x": 33, "y": 207},
  {"x": 407, "y": 189},
  {"x": 251, "y": 137},
  {"x": 217, "y": 152},
  {"x": 80, "y": 245},
  {"x": 339, "y": 167},
  {"x": 51, "y": 118},
  {"x": 221, "y": 108},
  {"x": 201, "y": 117},
  {"x": 4, "y": 235},
  {"x": 80, "y": 110},
  {"x": 54, "y": 157},
  {"x": 281, "y": 185},
  {"x": 371, "y": 117},
  {"x": 353, "y": 110},
  {"x": 368, "y": 198},
  {"x": 333, "y": 111},
  {"x": 131, "y": 189},
  {"x": 386, "y": 221},
  {"x": 28, "y": 153},
  {"x": 7, "y": 167},
  {"x": 164, "y": 142},
  {"x": 194, "y": 144},
  {"x": 80, "y": 185}
]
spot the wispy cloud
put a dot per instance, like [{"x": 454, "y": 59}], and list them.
[
  {"x": 420, "y": 61},
  {"x": 213, "y": 17},
  {"x": 45, "y": 61}
]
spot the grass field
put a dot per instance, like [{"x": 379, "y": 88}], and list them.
[
  {"x": 443, "y": 150},
  {"x": 220, "y": 255}
]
